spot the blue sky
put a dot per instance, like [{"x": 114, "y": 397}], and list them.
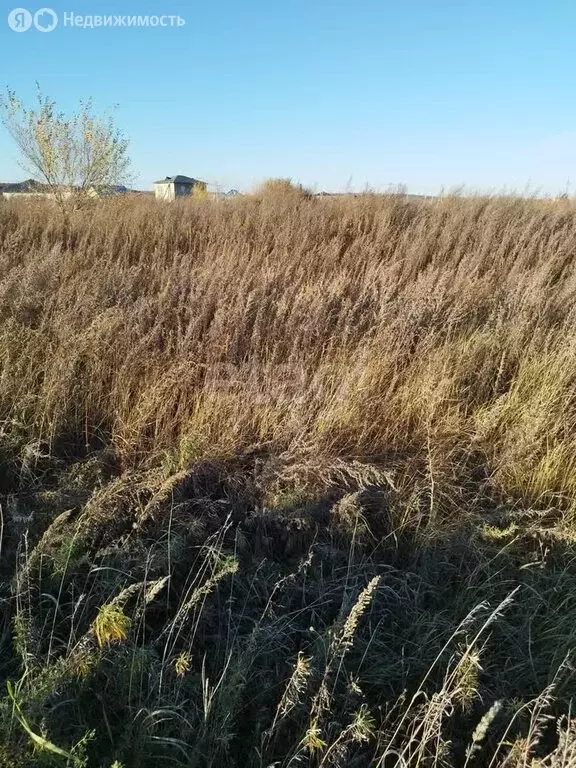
[{"x": 332, "y": 93}]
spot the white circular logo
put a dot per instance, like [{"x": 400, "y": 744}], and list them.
[
  {"x": 45, "y": 20},
  {"x": 20, "y": 20}
]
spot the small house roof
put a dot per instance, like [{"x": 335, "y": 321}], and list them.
[
  {"x": 179, "y": 180},
  {"x": 30, "y": 185}
]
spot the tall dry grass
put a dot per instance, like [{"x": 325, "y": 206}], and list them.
[
  {"x": 437, "y": 331},
  {"x": 288, "y": 481}
]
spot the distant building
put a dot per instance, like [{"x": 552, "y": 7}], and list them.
[
  {"x": 177, "y": 186},
  {"x": 22, "y": 189},
  {"x": 30, "y": 188},
  {"x": 107, "y": 191},
  {"x": 219, "y": 196}
]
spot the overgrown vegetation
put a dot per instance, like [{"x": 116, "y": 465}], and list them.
[
  {"x": 72, "y": 156},
  {"x": 288, "y": 481}
]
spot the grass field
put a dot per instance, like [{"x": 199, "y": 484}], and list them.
[{"x": 288, "y": 481}]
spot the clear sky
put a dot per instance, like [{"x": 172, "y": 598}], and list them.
[{"x": 332, "y": 93}]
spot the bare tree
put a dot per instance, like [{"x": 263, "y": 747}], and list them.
[{"x": 74, "y": 155}]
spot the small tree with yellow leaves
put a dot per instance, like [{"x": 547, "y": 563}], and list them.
[{"x": 75, "y": 156}]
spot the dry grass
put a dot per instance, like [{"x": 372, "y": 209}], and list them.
[
  {"x": 356, "y": 414},
  {"x": 360, "y": 327}
]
